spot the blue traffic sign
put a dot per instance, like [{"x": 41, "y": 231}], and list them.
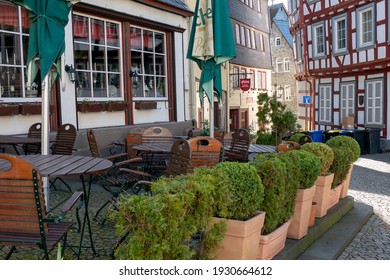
[{"x": 306, "y": 99}]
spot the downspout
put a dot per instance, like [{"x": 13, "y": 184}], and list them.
[{"x": 191, "y": 95}]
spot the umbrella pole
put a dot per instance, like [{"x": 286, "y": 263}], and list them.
[
  {"x": 45, "y": 131},
  {"x": 211, "y": 109}
]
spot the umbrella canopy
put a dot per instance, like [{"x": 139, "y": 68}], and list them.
[
  {"x": 48, "y": 19},
  {"x": 211, "y": 44}
]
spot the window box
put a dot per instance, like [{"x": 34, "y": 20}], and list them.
[
  {"x": 88, "y": 107},
  {"x": 117, "y": 106},
  {"x": 145, "y": 105},
  {"x": 30, "y": 108},
  {"x": 9, "y": 109}
]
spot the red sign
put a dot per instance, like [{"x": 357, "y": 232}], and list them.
[{"x": 245, "y": 84}]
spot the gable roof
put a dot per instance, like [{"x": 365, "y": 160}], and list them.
[
  {"x": 174, "y": 6},
  {"x": 176, "y": 3},
  {"x": 279, "y": 16}
]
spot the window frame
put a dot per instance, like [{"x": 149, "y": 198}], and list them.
[
  {"x": 315, "y": 40},
  {"x": 322, "y": 106},
  {"x": 335, "y": 33},
  {"x": 286, "y": 62},
  {"x": 278, "y": 41},
  {"x": 287, "y": 93},
  {"x": 359, "y": 29},
  {"x": 279, "y": 65},
  {"x": 348, "y": 109},
  {"x": 380, "y": 106}
]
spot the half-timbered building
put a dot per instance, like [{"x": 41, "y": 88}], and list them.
[{"x": 342, "y": 57}]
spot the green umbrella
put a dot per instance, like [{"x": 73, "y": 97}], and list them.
[
  {"x": 48, "y": 19},
  {"x": 211, "y": 44}
]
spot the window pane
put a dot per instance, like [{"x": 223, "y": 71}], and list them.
[
  {"x": 148, "y": 40},
  {"x": 149, "y": 86},
  {"x": 149, "y": 63},
  {"x": 160, "y": 92},
  {"x": 81, "y": 56},
  {"x": 114, "y": 86},
  {"x": 99, "y": 85},
  {"x": 97, "y": 32},
  {"x": 98, "y": 54},
  {"x": 83, "y": 84},
  {"x": 80, "y": 28},
  {"x": 135, "y": 38},
  {"x": 112, "y": 31},
  {"x": 113, "y": 56},
  {"x": 159, "y": 43},
  {"x": 160, "y": 65}
]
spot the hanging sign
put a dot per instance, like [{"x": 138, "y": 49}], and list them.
[{"x": 245, "y": 84}]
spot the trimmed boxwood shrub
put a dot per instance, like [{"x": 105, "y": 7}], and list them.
[
  {"x": 340, "y": 166},
  {"x": 245, "y": 188},
  {"x": 295, "y": 137},
  {"x": 347, "y": 143},
  {"x": 323, "y": 152},
  {"x": 273, "y": 174}
]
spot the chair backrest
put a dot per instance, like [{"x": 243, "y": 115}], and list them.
[
  {"x": 157, "y": 134},
  {"x": 136, "y": 130},
  {"x": 239, "y": 146},
  {"x": 132, "y": 139},
  {"x": 205, "y": 151},
  {"x": 220, "y": 135},
  {"x": 93, "y": 146},
  {"x": 287, "y": 146},
  {"x": 34, "y": 131},
  {"x": 179, "y": 159},
  {"x": 192, "y": 131},
  {"x": 65, "y": 139},
  {"x": 22, "y": 202}
]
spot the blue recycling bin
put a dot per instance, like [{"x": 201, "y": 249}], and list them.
[
  {"x": 316, "y": 135},
  {"x": 327, "y": 134}
]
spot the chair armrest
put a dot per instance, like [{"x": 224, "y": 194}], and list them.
[
  {"x": 132, "y": 160},
  {"x": 115, "y": 156},
  {"x": 69, "y": 204},
  {"x": 136, "y": 172}
]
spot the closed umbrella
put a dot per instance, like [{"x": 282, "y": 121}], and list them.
[
  {"x": 48, "y": 19},
  {"x": 211, "y": 44}
]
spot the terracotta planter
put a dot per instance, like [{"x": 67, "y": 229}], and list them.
[
  {"x": 312, "y": 218},
  {"x": 344, "y": 191},
  {"x": 300, "y": 220},
  {"x": 321, "y": 195},
  {"x": 334, "y": 195},
  {"x": 241, "y": 238},
  {"x": 271, "y": 244}
]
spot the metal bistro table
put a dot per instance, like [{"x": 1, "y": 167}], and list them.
[
  {"x": 18, "y": 140},
  {"x": 151, "y": 150},
  {"x": 67, "y": 165}
]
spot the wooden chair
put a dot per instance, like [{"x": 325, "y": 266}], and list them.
[
  {"x": 191, "y": 131},
  {"x": 24, "y": 221},
  {"x": 238, "y": 149},
  {"x": 205, "y": 152},
  {"x": 220, "y": 135},
  {"x": 65, "y": 140},
  {"x": 33, "y": 132},
  {"x": 287, "y": 146},
  {"x": 63, "y": 145}
]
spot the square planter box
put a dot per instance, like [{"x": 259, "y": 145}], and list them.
[
  {"x": 9, "y": 109},
  {"x": 117, "y": 106},
  {"x": 30, "y": 109},
  {"x": 145, "y": 105}
]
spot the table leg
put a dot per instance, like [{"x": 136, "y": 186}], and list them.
[{"x": 86, "y": 220}]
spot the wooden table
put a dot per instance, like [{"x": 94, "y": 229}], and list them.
[
  {"x": 155, "y": 154},
  {"x": 67, "y": 165},
  {"x": 18, "y": 140}
]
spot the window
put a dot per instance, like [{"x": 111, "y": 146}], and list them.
[
  {"x": 259, "y": 6},
  {"x": 258, "y": 80},
  {"x": 365, "y": 26},
  {"x": 374, "y": 102},
  {"x": 148, "y": 59},
  {"x": 252, "y": 77},
  {"x": 242, "y": 33},
  {"x": 286, "y": 63},
  {"x": 238, "y": 37},
  {"x": 278, "y": 41},
  {"x": 287, "y": 93},
  {"x": 340, "y": 34},
  {"x": 298, "y": 46},
  {"x": 347, "y": 99},
  {"x": 325, "y": 103},
  {"x": 293, "y": 5},
  {"x": 261, "y": 42},
  {"x": 98, "y": 60},
  {"x": 248, "y": 38},
  {"x": 279, "y": 65},
  {"x": 318, "y": 39},
  {"x": 235, "y": 75},
  {"x": 14, "y": 29},
  {"x": 264, "y": 80},
  {"x": 253, "y": 40}
]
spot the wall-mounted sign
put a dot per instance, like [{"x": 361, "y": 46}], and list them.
[
  {"x": 306, "y": 99},
  {"x": 245, "y": 84}
]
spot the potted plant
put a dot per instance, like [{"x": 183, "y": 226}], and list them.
[
  {"x": 243, "y": 216},
  {"x": 303, "y": 169},
  {"x": 117, "y": 106},
  {"x": 278, "y": 204},
  {"x": 86, "y": 106},
  {"x": 167, "y": 225},
  {"x": 352, "y": 154},
  {"x": 28, "y": 108},
  {"x": 324, "y": 181},
  {"x": 9, "y": 109}
]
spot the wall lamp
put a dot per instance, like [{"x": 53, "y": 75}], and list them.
[{"x": 71, "y": 72}]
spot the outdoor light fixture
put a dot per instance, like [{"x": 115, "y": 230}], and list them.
[{"x": 71, "y": 72}]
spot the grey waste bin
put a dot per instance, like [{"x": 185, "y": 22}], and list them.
[{"x": 373, "y": 140}]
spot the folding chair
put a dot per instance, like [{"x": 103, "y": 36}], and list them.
[
  {"x": 24, "y": 221},
  {"x": 33, "y": 132},
  {"x": 63, "y": 145},
  {"x": 238, "y": 149}
]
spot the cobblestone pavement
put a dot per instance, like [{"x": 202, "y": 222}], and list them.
[{"x": 370, "y": 184}]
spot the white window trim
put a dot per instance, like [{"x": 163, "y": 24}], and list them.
[
  {"x": 287, "y": 93},
  {"x": 322, "y": 100},
  {"x": 278, "y": 39},
  {"x": 279, "y": 69},
  {"x": 359, "y": 12},
  {"x": 335, "y": 34},
  {"x": 347, "y": 108},
  {"x": 380, "y": 106},
  {"x": 286, "y": 61},
  {"x": 315, "y": 39}
]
